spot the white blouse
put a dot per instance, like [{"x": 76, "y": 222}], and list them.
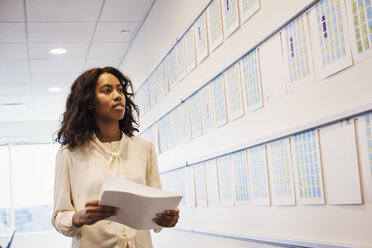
[{"x": 78, "y": 178}]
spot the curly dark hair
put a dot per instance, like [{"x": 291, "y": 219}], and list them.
[{"x": 78, "y": 124}]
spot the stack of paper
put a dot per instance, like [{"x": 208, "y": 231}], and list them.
[{"x": 138, "y": 204}]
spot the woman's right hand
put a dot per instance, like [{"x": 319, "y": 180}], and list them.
[{"x": 93, "y": 213}]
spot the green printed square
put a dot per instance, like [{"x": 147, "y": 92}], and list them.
[{"x": 366, "y": 43}]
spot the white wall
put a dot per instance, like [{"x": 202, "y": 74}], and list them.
[{"x": 342, "y": 92}]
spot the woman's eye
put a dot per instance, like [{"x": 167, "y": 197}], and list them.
[
  {"x": 120, "y": 90},
  {"x": 106, "y": 91}
]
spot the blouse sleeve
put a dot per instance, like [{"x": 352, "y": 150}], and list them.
[
  {"x": 152, "y": 174},
  {"x": 63, "y": 207}
]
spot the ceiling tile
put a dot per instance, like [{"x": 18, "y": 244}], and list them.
[
  {"x": 125, "y": 10},
  {"x": 13, "y": 51},
  {"x": 14, "y": 79},
  {"x": 49, "y": 107},
  {"x": 12, "y": 11},
  {"x": 60, "y": 32},
  {"x": 92, "y": 63},
  {"x": 73, "y": 50},
  {"x": 12, "y": 32},
  {"x": 53, "y": 66},
  {"x": 15, "y": 90},
  {"x": 66, "y": 10},
  {"x": 14, "y": 66},
  {"x": 16, "y": 113},
  {"x": 112, "y": 31},
  {"x": 111, "y": 50},
  {"x": 54, "y": 79}
]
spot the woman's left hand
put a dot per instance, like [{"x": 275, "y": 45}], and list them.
[{"x": 168, "y": 218}]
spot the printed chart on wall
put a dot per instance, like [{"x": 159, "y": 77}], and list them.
[
  {"x": 181, "y": 184},
  {"x": 226, "y": 185},
  {"x": 214, "y": 20},
  {"x": 281, "y": 173},
  {"x": 211, "y": 181},
  {"x": 240, "y": 173},
  {"x": 250, "y": 76},
  {"x": 181, "y": 62},
  {"x": 172, "y": 68},
  {"x": 297, "y": 53},
  {"x": 170, "y": 130},
  {"x": 230, "y": 16},
  {"x": 162, "y": 135},
  {"x": 359, "y": 14},
  {"x": 233, "y": 88},
  {"x": 152, "y": 89},
  {"x": 164, "y": 76},
  {"x": 307, "y": 167},
  {"x": 201, "y": 38},
  {"x": 272, "y": 69},
  {"x": 341, "y": 173},
  {"x": 258, "y": 175},
  {"x": 195, "y": 113},
  {"x": 248, "y": 8},
  {"x": 146, "y": 94},
  {"x": 200, "y": 187},
  {"x": 186, "y": 124},
  {"x": 190, "y": 49},
  {"x": 206, "y": 108},
  {"x": 159, "y": 84},
  {"x": 177, "y": 126},
  {"x": 331, "y": 40},
  {"x": 365, "y": 147},
  {"x": 190, "y": 186},
  {"x": 218, "y": 99}
]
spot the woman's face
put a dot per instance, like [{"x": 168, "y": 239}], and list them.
[{"x": 109, "y": 100}]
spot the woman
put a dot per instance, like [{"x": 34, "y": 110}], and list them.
[{"x": 97, "y": 138}]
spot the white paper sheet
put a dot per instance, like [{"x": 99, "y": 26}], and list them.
[
  {"x": 281, "y": 172},
  {"x": 234, "y": 94},
  {"x": 181, "y": 60},
  {"x": 138, "y": 204},
  {"x": 248, "y": 8},
  {"x": 360, "y": 28},
  {"x": 201, "y": 38},
  {"x": 258, "y": 179},
  {"x": 297, "y": 54},
  {"x": 172, "y": 68},
  {"x": 272, "y": 70},
  {"x": 190, "y": 49},
  {"x": 200, "y": 188},
  {"x": 365, "y": 152},
  {"x": 211, "y": 180},
  {"x": 230, "y": 16},
  {"x": 206, "y": 108},
  {"x": 307, "y": 167},
  {"x": 340, "y": 163},
  {"x": 218, "y": 100},
  {"x": 225, "y": 179},
  {"x": 190, "y": 187},
  {"x": 330, "y": 37},
  {"x": 214, "y": 21}
]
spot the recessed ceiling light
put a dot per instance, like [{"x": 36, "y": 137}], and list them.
[
  {"x": 54, "y": 89},
  {"x": 58, "y": 51}
]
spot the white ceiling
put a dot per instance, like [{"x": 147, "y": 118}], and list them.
[{"x": 90, "y": 31}]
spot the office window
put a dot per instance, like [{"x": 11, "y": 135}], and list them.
[{"x": 26, "y": 187}]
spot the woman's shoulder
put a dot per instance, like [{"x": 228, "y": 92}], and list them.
[{"x": 140, "y": 141}]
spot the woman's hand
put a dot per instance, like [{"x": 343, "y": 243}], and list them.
[
  {"x": 168, "y": 218},
  {"x": 92, "y": 213}
]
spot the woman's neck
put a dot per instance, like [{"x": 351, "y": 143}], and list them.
[{"x": 109, "y": 132}]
